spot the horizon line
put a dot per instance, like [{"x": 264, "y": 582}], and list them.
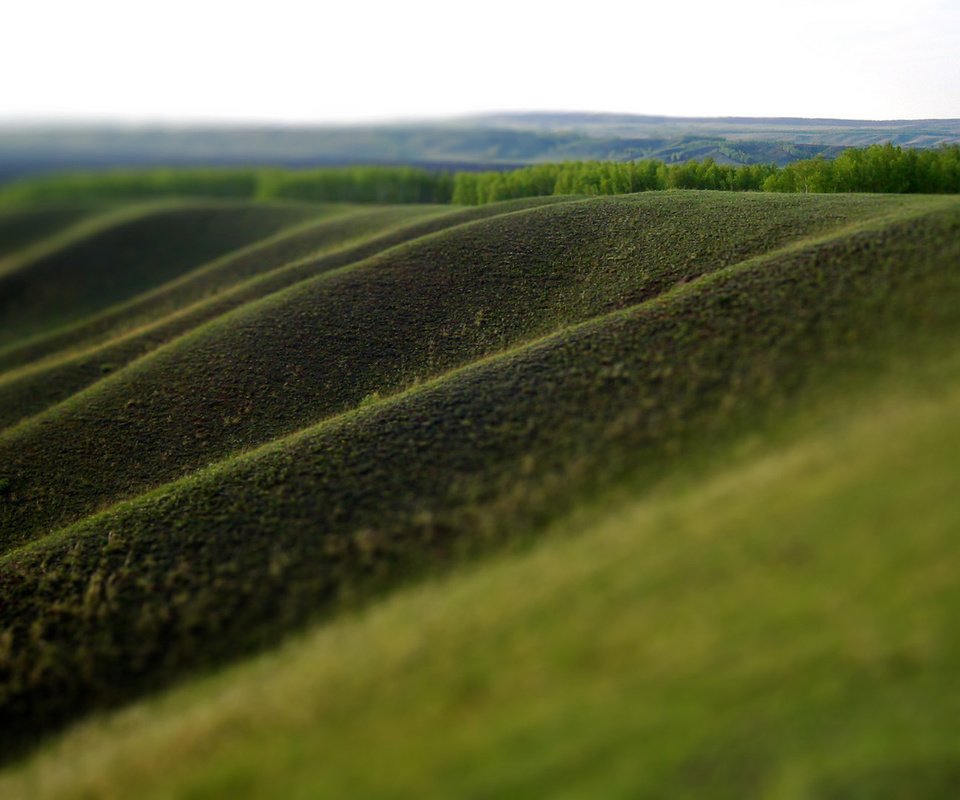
[{"x": 106, "y": 121}]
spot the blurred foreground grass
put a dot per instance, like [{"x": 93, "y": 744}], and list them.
[{"x": 779, "y": 625}]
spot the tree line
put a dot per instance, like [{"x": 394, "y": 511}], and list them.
[
  {"x": 605, "y": 177},
  {"x": 878, "y": 168}
]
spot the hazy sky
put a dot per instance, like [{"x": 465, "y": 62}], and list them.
[{"x": 189, "y": 60}]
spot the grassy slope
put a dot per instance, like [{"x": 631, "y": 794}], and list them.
[
  {"x": 221, "y": 562},
  {"x": 22, "y": 227},
  {"x": 322, "y": 346},
  {"x": 781, "y": 626},
  {"x": 115, "y": 263},
  {"x": 332, "y": 227},
  {"x": 202, "y": 291},
  {"x": 277, "y": 263}
]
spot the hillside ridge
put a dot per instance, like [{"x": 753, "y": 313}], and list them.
[
  {"x": 227, "y": 559},
  {"x": 489, "y": 360},
  {"x": 183, "y": 405}
]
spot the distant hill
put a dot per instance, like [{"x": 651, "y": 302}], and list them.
[{"x": 484, "y": 141}]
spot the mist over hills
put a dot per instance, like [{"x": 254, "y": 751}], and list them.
[{"x": 480, "y": 141}]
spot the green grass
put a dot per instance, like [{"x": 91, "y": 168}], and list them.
[
  {"x": 300, "y": 425},
  {"x": 226, "y": 559},
  {"x": 318, "y": 348},
  {"x": 331, "y": 228},
  {"x": 124, "y": 259},
  {"x": 22, "y": 227},
  {"x": 58, "y": 365},
  {"x": 779, "y": 626}
]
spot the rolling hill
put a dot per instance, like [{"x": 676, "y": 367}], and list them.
[
  {"x": 480, "y": 141},
  {"x": 632, "y": 432}
]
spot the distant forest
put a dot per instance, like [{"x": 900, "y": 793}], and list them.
[
  {"x": 481, "y": 142},
  {"x": 879, "y": 168}
]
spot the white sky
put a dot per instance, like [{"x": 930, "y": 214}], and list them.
[{"x": 285, "y": 61}]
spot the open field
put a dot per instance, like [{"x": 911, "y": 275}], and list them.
[
  {"x": 675, "y": 469},
  {"x": 779, "y": 625}
]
